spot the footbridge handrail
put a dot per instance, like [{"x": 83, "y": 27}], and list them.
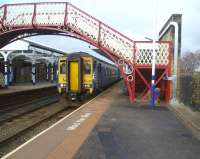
[{"x": 63, "y": 15}]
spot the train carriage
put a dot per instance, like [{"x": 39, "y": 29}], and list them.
[{"x": 87, "y": 74}]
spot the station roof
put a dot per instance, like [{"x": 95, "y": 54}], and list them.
[
  {"x": 31, "y": 51},
  {"x": 26, "y": 45}
]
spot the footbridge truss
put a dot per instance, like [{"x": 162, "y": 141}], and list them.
[{"x": 133, "y": 58}]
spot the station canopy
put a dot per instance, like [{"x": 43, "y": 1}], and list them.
[{"x": 32, "y": 51}]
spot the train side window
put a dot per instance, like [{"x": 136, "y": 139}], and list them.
[
  {"x": 87, "y": 68},
  {"x": 63, "y": 68},
  {"x": 106, "y": 71},
  {"x": 94, "y": 65},
  {"x": 99, "y": 67}
]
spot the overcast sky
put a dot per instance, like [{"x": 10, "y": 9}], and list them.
[{"x": 132, "y": 17}]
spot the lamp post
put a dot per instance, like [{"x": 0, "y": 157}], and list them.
[{"x": 152, "y": 101}]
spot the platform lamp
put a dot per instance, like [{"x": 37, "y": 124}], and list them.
[{"x": 152, "y": 100}]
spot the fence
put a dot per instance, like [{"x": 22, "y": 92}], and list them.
[{"x": 190, "y": 90}]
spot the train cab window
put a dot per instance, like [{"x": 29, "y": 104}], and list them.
[
  {"x": 87, "y": 68},
  {"x": 63, "y": 68}
]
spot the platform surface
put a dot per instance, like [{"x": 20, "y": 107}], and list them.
[
  {"x": 109, "y": 127},
  {"x": 25, "y": 87}
]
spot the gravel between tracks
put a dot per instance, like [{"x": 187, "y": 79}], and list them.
[
  {"x": 17, "y": 131},
  {"x": 28, "y": 125}
]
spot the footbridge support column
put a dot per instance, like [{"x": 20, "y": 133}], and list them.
[
  {"x": 10, "y": 72},
  {"x": 128, "y": 73},
  {"x": 6, "y": 64},
  {"x": 52, "y": 72},
  {"x": 47, "y": 71},
  {"x": 6, "y": 71},
  {"x": 33, "y": 72},
  {"x": 131, "y": 90}
]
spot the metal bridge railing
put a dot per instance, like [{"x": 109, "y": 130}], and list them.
[
  {"x": 65, "y": 17},
  {"x": 144, "y": 53},
  {"x": 62, "y": 16}
]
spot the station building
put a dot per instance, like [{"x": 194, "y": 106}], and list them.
[{"x": 25, "y": 61}]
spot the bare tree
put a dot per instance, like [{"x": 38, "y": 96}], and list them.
[{"x": 190, "y": 62}]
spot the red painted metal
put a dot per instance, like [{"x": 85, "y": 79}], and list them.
[
  {"x": 101, "y": 39},
  {"x": 166, "y": 72},
  {"x": 99, "y": 34},
  {"x": 65, "y": 17},
  {"x": 4, "y": 17},
  {"x": 34, "y": 16},
  {"x": 103, "y": 23}
]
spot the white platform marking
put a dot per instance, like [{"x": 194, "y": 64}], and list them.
[
  {"x": 58, "y": 122},
  {"x": 77, "y": 123}
]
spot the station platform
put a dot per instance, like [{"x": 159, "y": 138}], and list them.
[
  {"x": 109, "y": 127},
  {"x": 25, "y": 87}
]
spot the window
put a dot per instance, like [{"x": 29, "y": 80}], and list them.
[
  {"x": 63, "y": 68},
  {"x": 87, "y": 68},
  {"x": 99, "y": 68},
  {"x": 94, "y": 65}
]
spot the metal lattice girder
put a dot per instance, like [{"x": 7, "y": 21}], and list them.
[
  {"x": 63, "y": 15},
  {"x": 143, "y": 59},
  {"x": 144, "y": 53}
]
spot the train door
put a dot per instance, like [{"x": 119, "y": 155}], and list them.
[{"x": 73, "y": 75}]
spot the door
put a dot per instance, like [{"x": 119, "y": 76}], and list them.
[{"x": 73, "y": 76}]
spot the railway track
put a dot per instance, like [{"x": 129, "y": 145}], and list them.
[
  {"x": 20, "y": 128},
  {"x": 19, "y": 124},
  {"x": 19, "y": 103},
  {"x": 13, "y": 130}
]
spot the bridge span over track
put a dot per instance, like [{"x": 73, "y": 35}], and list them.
[{"x": 28, "y": 19}]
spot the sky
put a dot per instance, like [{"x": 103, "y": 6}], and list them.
[{"x": 133, "y": 18}]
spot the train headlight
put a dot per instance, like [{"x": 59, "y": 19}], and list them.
[
  {"x": 87, "y": 85},
  {"x": 62, "y": 85}
]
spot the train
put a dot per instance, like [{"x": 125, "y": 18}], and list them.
[
  {"x": 62, "y": 78},
  {"x": 86, "y": 74}
]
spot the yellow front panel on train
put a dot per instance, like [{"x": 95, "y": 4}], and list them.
[{"x": 74, "y": 76}]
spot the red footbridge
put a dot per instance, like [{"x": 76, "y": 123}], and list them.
[{"x": 134, "y": 58}]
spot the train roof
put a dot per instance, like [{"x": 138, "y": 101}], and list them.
[{"x": 76, "y": 54}]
